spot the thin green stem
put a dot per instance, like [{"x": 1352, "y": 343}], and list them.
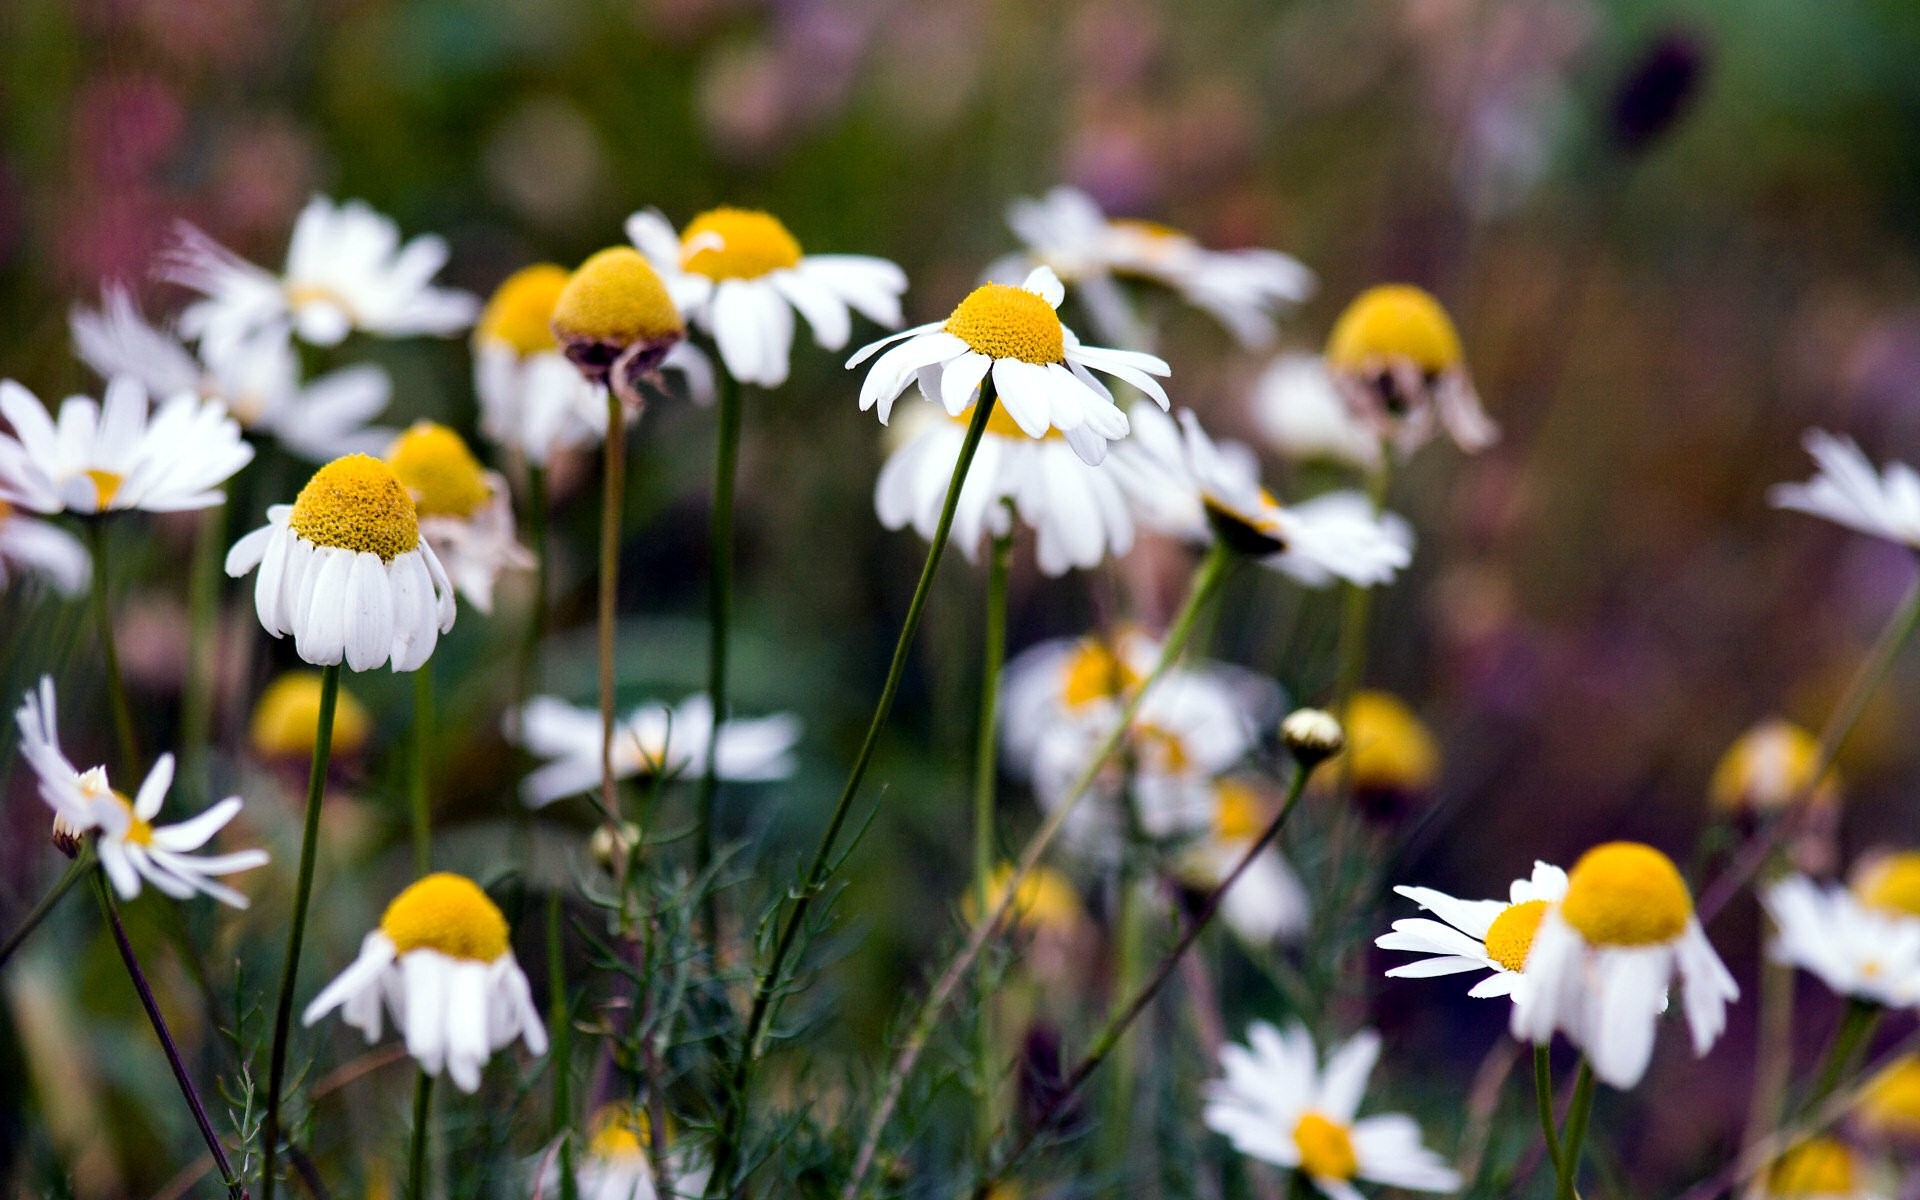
[
  {"x": 1574, "y": 1136},
  {"x": 610, "y": 506},
  {"x": 1543, "y": 1100},
  {"x": 419, "y": 789},
  {"x": 1129, "y": 947},
  {"x": 1356, "y": 607},
  {"x": 203, "y": 606},
  {"x": 719, "y": 623},
  {"x": 422, "y": 1121},
  {"x": 1850, "y": 1039},
  {"x": 767, "y": 988},
  {"x": 76, "y": 871},
  {"x": 296, "y": 929},
  {"x": 985, "y": 776},
  {"x": 560, "y": 1023},
  {"x": 536, "y": 513},
  {"x": 109, "y": 650}
]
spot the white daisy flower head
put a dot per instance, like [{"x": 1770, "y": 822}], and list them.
[
  {"x": 30, "y": 548},
  {"x": 1397, "y": 361},
  {"x": 739, "y": 275},
  {"x": 616, "y": 322},
  {"x": 346, "y": 269},
  {"x": 1067, "y": 679},
  {"x": 466, "y": 514},
  {"x": 1275, "y": 1102},
  {"x": 1848, "y": 490},
  {"x": 442, "y": 964},
  {"x": 1041, "y": 373},
  {"x": 117, "y": 455},
  {"x": 131, "y": 847},
  {"x": 1245, "y": 290},
  {"x": 532, "y": 400},
  {"x": 345, "y": 570},
  {"x": 1476, "y": 935},
  {"x": 1300, "y": 413},
  {"x": 1078, "y": 513},
  {"x": 1268, "y": 902},
  {"x": 1603, "y": 959},
  {"x": 1856, "y": 949},
  {"x": 1769, "y": 767},
  {"x": 615, "y": 1163},
  {"x": 654, "y": 739}
]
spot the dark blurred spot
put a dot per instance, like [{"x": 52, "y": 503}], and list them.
[{"x": 1657, "y": 90}]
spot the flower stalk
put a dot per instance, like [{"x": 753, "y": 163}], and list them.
[
  {"x": 96, "y": 528},
  {"x": 1574, "y": 1135},
  {"x": 719, "y": 624},
  {"x": 422, "y": 1118},
  {"x": 612, "y": 498},
  {"x": 985, "y": 776},
  {"x": 76, "y": 871},
  {"x": 561, "y": 1125},
  {"x": 420, "y": 804},
  {"x": 1543, "y": 1100}
]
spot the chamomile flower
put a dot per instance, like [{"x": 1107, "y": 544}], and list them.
[
  {"x": 1847, "y": 490},
  {"x": 1889, "y": 1107},
  {"x": 654, "y": 739},
  {"x": 1769, "y": 767},
  {"x": 1603, "y": 958},
  {"x": 1392, "y": 758},
  {"x": 131, "y": 847},
  {"x": 1067, "y": 678},
  {"x": 1300, "y": 414},
  {"x": 1268, "y": 901},
  {"x": 345, "y": 570},
  {"x": 30, "y": 547},
  {"x": 1476, "y": 935},
  {"x": 616, "y": 322},
  {"x": 1397, "y": 360},
  {"x": 346, "y": 269},
  {"x": 1276, "y": 1103},
  {"x": 117, "y": 455},
  {"x": 1857, "y": 949},
  {"x": 287, "y": 716},
  {"x": 1242, "y": 289},
  {"x": 466, "y": 515},
  {"x": 1820, "y": 1168},
  {"x": 1041, "y": 372},
  {"x": 442, "y": 962},
  {"x": 1046, "y": 901},
  {"x": 739, "y": 275},
  {"x": 615, "y": 1164},
  {"x": 1078, "y": 512},
  {"x": 531, "y": 398},
  {"x": 1890, "y": 882}
]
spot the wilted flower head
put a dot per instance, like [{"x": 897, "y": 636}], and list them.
[
  {"x": 1398, "y": 362},
  {"x": 615, "y": 320},
  {"x": 531, "y": 398},
  {"x": 1301, "y": 414}
]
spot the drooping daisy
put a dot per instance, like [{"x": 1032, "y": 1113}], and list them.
[
  {"x": 441, "y": 961},
  {"x": 1397, "y": 360},
  {"x": 465, "y": 512},
  {"x": 116, "y": 455},
  {"x": 1277, "y": 1104},
  {"x": 615, "y": 1164},
  {"x": 1820, "y": 1168},
  {"x": 1392, "y": 758},
  {"x": 1856, "y": 949},
  {"x": 531, "y": 398},
  {"x": 1041, "y": 372},
  {"x": 1603, "y": 958},
  {"x": 1768, "y": 767},
  {"x": 616, "y": 321},
  {"x": 1847, "y": 490},
  {"x": 131, "y": 847},
  {"x": 1476, "y": 935},
  {"x": 345, "y": 570},
  {"x": 1078, "y": 512},
  {"x": 1242, "y": 289},
  {"x": 32, "y": 547},
  {"x": 287, "y": 716},
  {"x": 1300, "y": 413},
  {"x": 654, "y": 739},
  {"x": 346, "y": 269},
  {"x": 1268, "y": 901},
  {"x": 739, "y": 275}
]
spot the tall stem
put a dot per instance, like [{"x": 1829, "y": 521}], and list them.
[
  {"x": 1574, "y": 1136},
  {"x": 536, "y": 506},
  {"x": 1850, "y": 1038},
  {"x": 419, "y": 781},
  {"x": 203, "y": 605},
  {"x": 560, "y": 1023},
  {"x": 296, "y": 929},
  {"x": 1543, "y": 1099},
  {"x": 75, "y": 872},
  {"x": 719, "y": 621},
  {"x": 422, "y": 1121},
  {"x": 610, "y": 507},
  {"x": 219, "y": 1152},
  {"x": 985, "y": 775},
  {"x": 96, "y": 527},
  {"x": 767, "y": 988}
]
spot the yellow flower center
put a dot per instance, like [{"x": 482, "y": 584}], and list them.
[
  {"x": 999, "y": 424},
  {"x": 1009, "y": 322},
  {"x": 1391, "y": 748},
  {"x": 299, "y": 295},
  {"x": 106, "y": 485},
  {"x": 1326, "y": 1148},
  {"x": 1816, "y": 1167},
  {"x": 139, "y": 830},
  {"x": 1239, "y": 811},
  {"x": 435, "y": 465},
  {"x": 520, "y": 312},
  {"x": 448, "y": 913},
  {"x": 357, "y": 503},
  {"x": 6, "y": 510},
  {"x": 1891, "y": 884},
  {"x": 1394, "y": 323},
  {"x": 1892, "y": 1101},
  {"x": 1626, "y": 894},
  {"x": 288, "y": 714},
  {"x": 1150, "y": 230},
  {"x": 1045, "y": 900},
  {"x": 1510, "y": 936},
  {"x": 1768, "y": 767},
  {"x": 1095, "y": 672},
  {"x": 620, "y": 1131},
  {"x": 737, "y": 243},
  {"x": 616, "y": 297},
  {"x": 1161, "y": 749}
]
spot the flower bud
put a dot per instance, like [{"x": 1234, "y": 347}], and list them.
[{"x": 1312, "y": 735}]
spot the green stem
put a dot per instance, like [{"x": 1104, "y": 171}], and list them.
[
  {"x": 1574, "y": 1136},
  {"x": 610, "y": 505},
  {"x": 1129, "y": 941},
  {"x": 420, "y": 770},
  {"x": 768, "y": 986},
  {"x": 536, "y": 506},
  {"x": 985, "y": 776},
  {"x": 560, "y": 1024},
  {"x": 422, "y": 1119},
  {"x": 719, "y": 621},
  {"x": 296, "y": 929},
  {"x": 109, "y": 650},
  {"x": 203, "y": 605},
  {"x": 76, "y": 871},
  {"x": 1543, "y": 1099},
  {"x": 1850, "y": 1039},
  {"x": 1356, "y": 605}
]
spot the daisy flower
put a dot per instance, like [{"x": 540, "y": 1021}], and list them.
[
  {"x": 116, "y": 455},
  {"x": 1301, "y": 415},
  {"x": 466, "y": 515},
  {"x": 1078, "y": 513},
  {"x": 617, "y": 323},
  {"x": 1768, "y": 767},
  {"x": 287, "y": 716},
  {"x": 1857, "y": 949},
  {"x": 346, "y": 269},
  {"x": 1890, "y": 882},
  {"x": 532, "y": 400},
  {"x": 1046, "y": 902},
  {"x": 32, "y": 547},
  {"x": 441, "y": 961},
  {"x": 131, "y": 847},
  {"x": 1067, "y": 678},
  {"x": 739, "y": 275},
  {"x": 1847, "y": 490},
  {"x": 615, "y": 1164},
  {"x": 1397, "y": 360},
  {"x": 1603, "y": 958},
  {"x": 1394, "y": 759},
  {"x": 1475, "y": 935},
  {"x": 1889, "y": 1107},
  {"x": 1268, "y": 901},
  {"x": 345, "y": 570},
  {"x": 1275, "y": 1102},
  {"x": 1820, "y": 1168},
  {"x": 654, "y": 739},
  {"x": 1041, "y": 372}
]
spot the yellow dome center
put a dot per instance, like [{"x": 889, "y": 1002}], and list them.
[
  {"x": 519, "y": 314},
  {"x": 288, "y": 714},
  {"x": 1626, "y": 894},
  {"x": 1095, "y": 672},
  {"x": 1891, "y": 1102},
  {"x": 106, "y": 485},
  {"x": 139, "y": 829},
  {"x": 737, "y": 243},
  {"x": 1326, "y": 1148},
  {"x": 1510, "y": 936},
  {"x": 620, "y": 1131},
  {"x": 357, "y": 503},
  {"x": 616, "y": 297},
  {"x": 435, "y": 465},
  {"x": 1009, "y": 322},
  {"x": 1767, "y": 767},
  {"x": 1891, "y": 884},
  {"x": 448, "y": 913},
  {"x": 1392, "y": 749},
  {"x": 1821, "y": 1167},
  {"x": 1046, "y": 900},
  {"x": 1239, "y": 811},
  {"x": 1394, "y": 323}
]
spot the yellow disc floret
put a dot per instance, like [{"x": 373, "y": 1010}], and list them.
[
  {"x": 1326, "y": 1148},
  {"x": 1891, "y": 1103},
  {"x": 288, "y": 713},
  {"x": 1822, "y": 1167},
  {"x": 1391, "y": 747},
  {"x": 620, "y": 1131},
  {"x": 519, "y": 314},
  {"x": 1001, "y": 424},
  {"x": 1510, "y": 937},
  {"x": 357, "y": 503},
  {"x": 616, "y": 297},
  {"x": 1390, "y": 324},
  {"x": 139, "y": 831},
  {"x": 448, "y": 913},
  {"x": 106, "y": 485},
  {"x": 1626, "y": 894},
  {"x": 1239, "y": 811},
  {"x": 1769, "y": 767},
  {"x": 737, "y": 243},
  {"x": 1891, "y": 883},
  {"x": 1009, "y": 322},
  {"x": 1095, "y": 672},
  {"x": 434, "y": 463},
  {"x": 1045, "y": 899}
]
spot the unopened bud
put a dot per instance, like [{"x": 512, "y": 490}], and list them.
[
  {"x": 66, "y": 839},
  {"x": 1312, "y": 735},
  {"x": 612, "y": 846}
]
